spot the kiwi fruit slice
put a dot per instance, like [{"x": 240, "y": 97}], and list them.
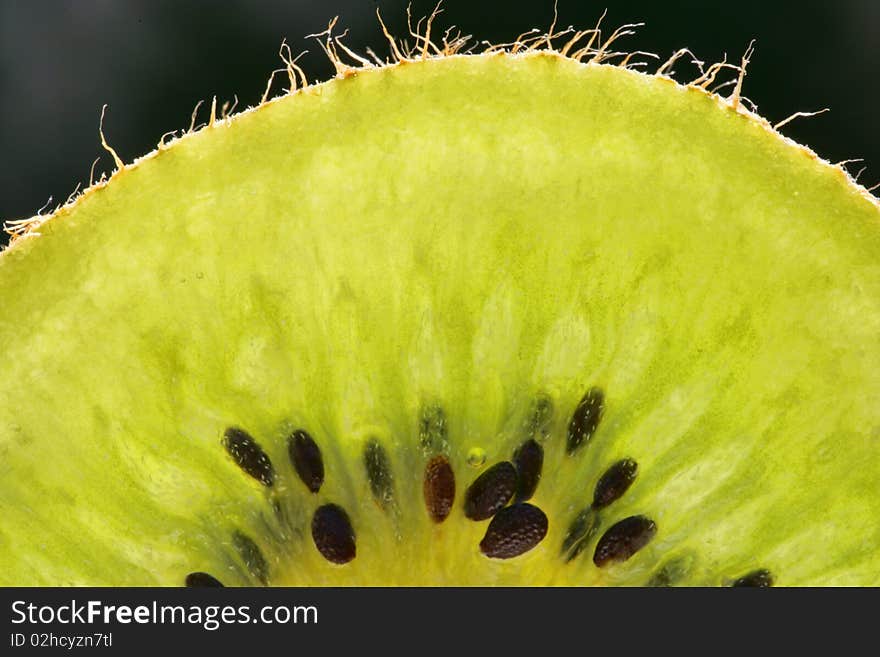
[{"x": 519, "y": 317}]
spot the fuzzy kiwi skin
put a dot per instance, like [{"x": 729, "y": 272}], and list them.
[{"x": 570, "y": 214}]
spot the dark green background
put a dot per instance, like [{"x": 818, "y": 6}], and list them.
[{"x": 151, "y": 61}]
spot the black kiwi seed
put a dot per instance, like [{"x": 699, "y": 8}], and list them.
[
  {"x": 614, "y": 482},
  {"x": 579, "y": 533},
  {"x": 432, "y": 429},
  {"x": 490, "y": 491},
  {"x": 528, "y": 459},
  {"x": 194, "y": 580},
  {"x": 379, "y": 473},
  {"x": 305, "y": 455},
  {"x": 585, "y": 419},
  {"x": 439, "y": 488},
  {"x": 757, "y": 578},
  {"x": 514, "y": 531},
  {"x": 248, "y": 455},
  {"x": 333, "y": 534},
  {"x": 623, "y": 539},
  {"x": 252, "y": 556}
]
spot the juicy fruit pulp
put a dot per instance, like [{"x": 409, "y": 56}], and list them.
[{"x": 271, "y": 352}]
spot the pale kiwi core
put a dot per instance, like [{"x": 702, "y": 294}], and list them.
[{"x": 496, "y": 319}]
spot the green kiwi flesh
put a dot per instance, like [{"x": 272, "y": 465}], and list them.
[{"x": 414, "y": 271}]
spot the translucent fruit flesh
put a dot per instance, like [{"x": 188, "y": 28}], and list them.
[{"x": 473, "y": 234}]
